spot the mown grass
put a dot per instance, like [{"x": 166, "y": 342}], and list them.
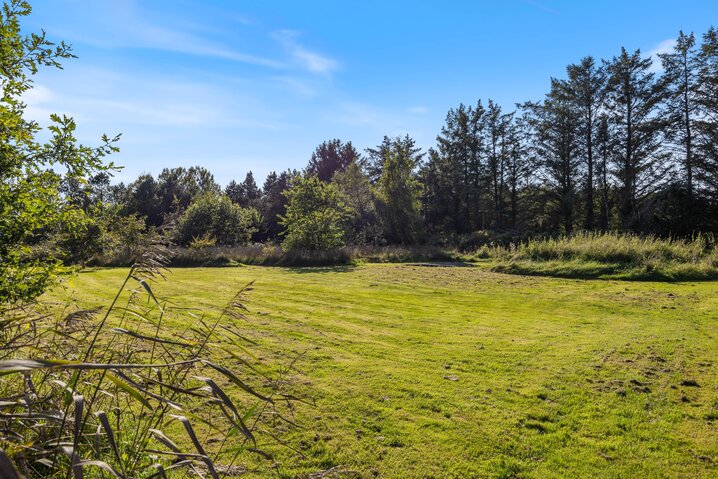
[{"x": 460, "y": 372}]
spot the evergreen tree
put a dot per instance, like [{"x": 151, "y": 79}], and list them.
[
  {"x": 358, "y": 196},
  {"x": 680, "y": 73},
  {"x": 517, "y": 164},
  {"x": 455, "y": 173},
  {"x": 496, "y": 124},
  {"x": 603, "y": 151},
  {"x": 330, "y": 157},
  {"x": 640, "y": 162},
  {"x": 373, "y": 162},
  {"x": 273, "y": 203},
  {"x": 585, "y": 86},
  {"x": 245, "y": 194},
  {"x": 707, "y": 121},
  {"x": 398, "y": 194},
  {"x": 142, "y": 199},
  {"x": 555, "y": 142},
  {"x": 234, "y": 192}
]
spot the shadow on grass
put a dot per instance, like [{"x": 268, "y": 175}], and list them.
[{"x": 348, "y": 268}]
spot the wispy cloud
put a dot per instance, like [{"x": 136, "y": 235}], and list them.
[
  {"x": 131, "y": 25},
  {"x": 418, "y": 110},
  {"x": 149, "y": 101},
  {"x": 309, "y": 60},
  {"x": 666, "y": 46}
]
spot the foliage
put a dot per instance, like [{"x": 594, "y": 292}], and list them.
[
  {"x": 30, "y": 198},
  {"x": 274, "y": 202},
  {"x": 125, "y": 237},
  {"x": 611, "y": 144},
  {"x": 363, "y": 223},
  {"x": 373, "y": 162},
  {"x": 633, "y": 98},
  {"x": 331, "y": 157},
  {"x": 399, "y": 195},
  {"x": 315, "y": 216},
  {"x": 245, "y": 194},
  {"x": 612, "y": 255},
  {"x": 117, "y": 392},
  {"x": 215, "y": 216}
]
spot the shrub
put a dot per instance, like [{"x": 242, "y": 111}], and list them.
[
  {"x": 118, "y": 394},
  {"x": 315, "y": 217},
  {"x": 215, "y": 216}
]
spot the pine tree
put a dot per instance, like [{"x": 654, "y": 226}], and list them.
[
  {"x": 373, "y": 162},
  {"x": 330, "y": 157},
  {"x": 273, "y": 202},
  {"x": 517, "y": 165},
  {"x": 640, "y": 161},
  {"x": 585, "y": 87},
  {"x": 603, "y": 151},
  {"x": 495, "y": 130},
  {"x": 245, "y": 194},
  {"x": 681, "y": 70},
  {"x": 555, "y": 143},
  {"x": 398, "y": 195},
  {"x": 456, "y": 168},
  {"x": 707, "y": 122}
]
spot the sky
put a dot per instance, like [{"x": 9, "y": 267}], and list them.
[{"x": 257, "y": 84}]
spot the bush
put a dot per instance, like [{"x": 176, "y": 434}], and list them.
[
  {"x": 315, "y": 217},
  {"x": 215, "y": 216},
  {"x": 115, "y": 393}
]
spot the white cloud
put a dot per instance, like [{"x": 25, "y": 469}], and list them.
[
  {"x": 130, "y": 24},
  {"x": 309, "y": 60},
  {"x": 418, "y": 110},
  {"x": 150, "y": 36},
  {"x": 666, "y": 46}
]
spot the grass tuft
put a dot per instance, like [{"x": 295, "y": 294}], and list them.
[{"x": 610, "y": 256}]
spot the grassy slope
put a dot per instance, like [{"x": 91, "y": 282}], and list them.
[{"x": 459, "y": 372}]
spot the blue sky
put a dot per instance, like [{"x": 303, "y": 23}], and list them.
[{"x": 257, "y": 84}]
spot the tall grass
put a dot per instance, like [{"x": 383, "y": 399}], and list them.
[
  {"x": 273, "y": 255},
  {"x": 114, "y": 392},
  {"x": 612, "y": 255}
]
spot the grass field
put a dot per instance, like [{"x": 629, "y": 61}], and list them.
[{"x": 460, "y": 372}]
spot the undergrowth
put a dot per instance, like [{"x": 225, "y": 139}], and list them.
[
  {"x": 98, "y": 392},
  {"x": 610, "y": 255}
]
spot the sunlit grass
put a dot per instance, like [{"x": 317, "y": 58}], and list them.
[
  {"x": 611, "y": 255},
  {"x": 461, "y": 372}
]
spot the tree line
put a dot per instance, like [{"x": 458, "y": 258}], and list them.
[{"x": 612, "y": 146}]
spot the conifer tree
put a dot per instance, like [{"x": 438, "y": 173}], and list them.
[
  {"x": 555, "y": 140},
  {"x": 680, "y": 74},
  {"x": 640, "y": 161},
  {"x": 398, "y": 195},
  {"x": 585, "y": 87},
  {"x": 330, "y": 157},
  {"x": 707, "y": 123}
]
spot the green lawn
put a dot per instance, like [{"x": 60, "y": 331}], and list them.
[{"x": 459, "y": 372}]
